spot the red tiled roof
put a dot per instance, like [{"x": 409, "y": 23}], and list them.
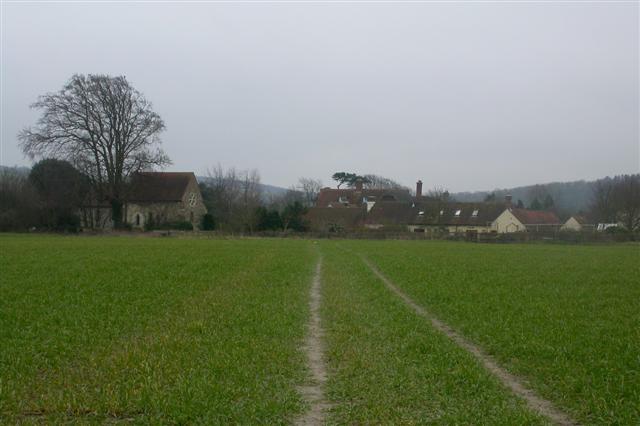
[
  {"x": 535, "y": 217},
  {"x": 159, "y": 186}
]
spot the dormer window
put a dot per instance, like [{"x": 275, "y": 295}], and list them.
[
  {"x": 457, "y": 214},
  {"x": 475, "y": 213}
]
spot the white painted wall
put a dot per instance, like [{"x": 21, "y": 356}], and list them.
[{"x": 507, "y": 223}]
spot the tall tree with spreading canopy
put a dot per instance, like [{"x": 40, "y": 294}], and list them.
[
  {"x": 372, "y": 181},
  {"x": 104, "y": 127},
  {"x": 309, "y": 188},
  {"x": 349, "y": 179}
]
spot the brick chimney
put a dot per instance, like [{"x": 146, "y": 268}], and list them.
[
  {"x": 507, "y": 200},
  {"x": 419, "y": 189},
  {"x": 358, "y": 184}
]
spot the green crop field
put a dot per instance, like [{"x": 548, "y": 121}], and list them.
[
  {"x": 149, "y": 330},
  {"x": 170, "y": 330},
  {"x": 566, "y": 318}
]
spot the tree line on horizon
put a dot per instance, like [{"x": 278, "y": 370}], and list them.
[{"x": 94, "y": 134}]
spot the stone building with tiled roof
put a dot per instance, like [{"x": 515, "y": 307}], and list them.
[
  {"x": 153, "y": 197},
  {"x": 164, "y": 197}
]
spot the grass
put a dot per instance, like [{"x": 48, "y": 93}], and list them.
[
  {"x": 163, "y": 330},
  {"x": 149, "y": 330},
  {"x": 389, "y": 366},
  {"x": 567, "y": 318}
]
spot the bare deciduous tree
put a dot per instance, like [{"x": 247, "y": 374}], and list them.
[
  {"x": 232, "y": 197},
  {"x": 309, "y": 188},
  {"x": 104, "y": 127},
  {"x": 438, "y": 193},
  {"x": 626, "y": 198},
  {"x": 617, "y": 199},
  {"x": 381, "y": 182},
  {"x": 251, "y": 197}
]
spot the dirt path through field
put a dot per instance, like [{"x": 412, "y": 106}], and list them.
[
  {"x": 535, "y": 402},
  {"x": 314, "y": 347}
]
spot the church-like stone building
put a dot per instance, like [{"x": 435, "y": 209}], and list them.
[
  {"x": 152, "y": 198},
  {"x": 164, "y": 197}
]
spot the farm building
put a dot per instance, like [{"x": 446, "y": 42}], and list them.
[
  {"x": 455, "y": 217},
  {"x": 359, "y": 196},
  {"x": 347, "y": 208},
  {"x": 336, "y": 218},
  {"x": 154, "y": 197},
  {"x": 395, "y": 209},
  {"x": 518, "y": 220},
  {"x": 577, "y": 223},
  {"x": 163, "y": 197}
]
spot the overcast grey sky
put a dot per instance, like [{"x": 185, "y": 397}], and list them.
[{"x": 466, "y": 96}]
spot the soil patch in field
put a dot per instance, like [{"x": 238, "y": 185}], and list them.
[
  {"x": 314, "y": 348},
  {"x": 534, "y": 402}
]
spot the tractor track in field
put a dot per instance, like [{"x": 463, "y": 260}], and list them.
[
  {"x": 313, "y": 392},
  {"x": 515, "y": 384}
]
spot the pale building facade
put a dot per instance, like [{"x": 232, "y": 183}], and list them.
[
  {"x": 577, "y": 224},
  {"x": 160, "y": 198},
  {"x": 153, "y": 199},
  {"x": 507, "y": 222}
]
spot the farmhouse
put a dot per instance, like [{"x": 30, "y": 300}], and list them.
[
  {"x": 347, "y": 208},
  {"x": 396, "y": 209},
  {"x": 153, "y": 198},
  {"x": 455, "y": 217},
  {"x": 358, "y": 197}
]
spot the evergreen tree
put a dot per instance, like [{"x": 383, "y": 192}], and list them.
[{"x": 535, "y": 204}]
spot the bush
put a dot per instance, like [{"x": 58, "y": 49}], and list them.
[
  {"x": 67, "y": 222},
  {"x": 174, "y": 226},
  {"x": 208, "y": 222}
]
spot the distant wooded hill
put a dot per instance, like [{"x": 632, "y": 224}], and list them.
[{"x": 568, "y": 197}]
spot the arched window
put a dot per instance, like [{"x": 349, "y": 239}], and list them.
[{"x": 193, "y": 199}]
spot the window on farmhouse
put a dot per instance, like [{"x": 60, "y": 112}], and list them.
[
  {"x": 458, "y": 212},
  {"x": 475, "y": 213}
]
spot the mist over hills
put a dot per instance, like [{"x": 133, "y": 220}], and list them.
[{"x": 568, "y": 197}]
